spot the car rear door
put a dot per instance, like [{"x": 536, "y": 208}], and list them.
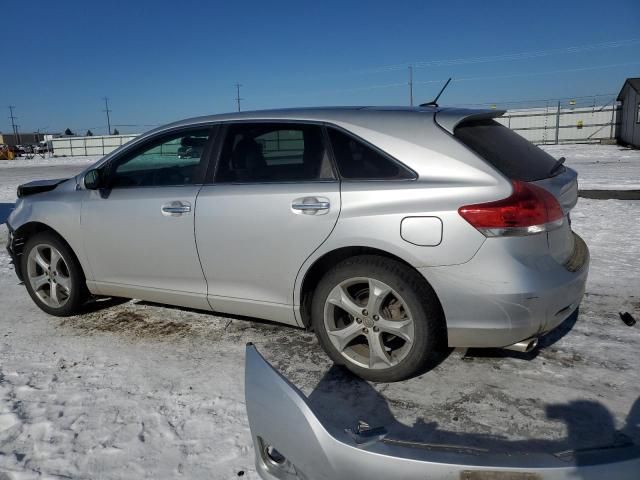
[
  {"x": 138, "y": 232},
  {"x": 274, "y": 200}
]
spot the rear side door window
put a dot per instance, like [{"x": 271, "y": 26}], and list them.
[
  {"x": 273, "y": 152},
  {"x": 359, "y": 161}
]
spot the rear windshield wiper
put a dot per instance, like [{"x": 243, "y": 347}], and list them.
[{"x": 557, "y": 166}]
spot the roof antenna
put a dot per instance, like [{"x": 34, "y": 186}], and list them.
[{"x": 434, "y": 102}]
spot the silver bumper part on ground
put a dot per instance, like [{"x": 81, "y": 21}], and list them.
[{"x": 291, "y": 443}]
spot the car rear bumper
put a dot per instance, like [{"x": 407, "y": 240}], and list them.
[
  {"x": 280, "y": 417},
  {"x": 507, "y": 293}
]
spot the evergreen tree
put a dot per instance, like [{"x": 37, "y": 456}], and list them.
[
  {"x": 89, "y": 133},
  {"x": 68, "y": 132},
  {"x": 116, "y": 132}
]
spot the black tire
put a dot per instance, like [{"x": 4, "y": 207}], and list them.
[
  {"x": 78, "y": 294},
  {"x": 428, "y": 319}
]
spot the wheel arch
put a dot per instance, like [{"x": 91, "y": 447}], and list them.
[
  {"x": 325, "y": 262},
  {"x": 22, "y": 234}
]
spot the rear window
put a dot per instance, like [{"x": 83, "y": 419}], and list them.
[{"x": 511, "y": 154}]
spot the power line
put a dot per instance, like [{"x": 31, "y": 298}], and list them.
[
  {"x": 238, "y": 85},
  {"x": 528, "y": 74},
  {"x": 503, "y": 57},
  {"x": 106, "y": 109},
  {"x": 441, "y": 80}
]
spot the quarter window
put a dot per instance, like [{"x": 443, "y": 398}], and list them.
[
  {"x": 273, "y": 152},
  {"x": 173, "y": 160},
  {"x": 358, "y": 161}
]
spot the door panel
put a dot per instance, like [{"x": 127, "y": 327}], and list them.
[
  {"x": 131, "y": 239},
  {"x": 139, "y": 228},
  {"x": 252, "y": 241}
]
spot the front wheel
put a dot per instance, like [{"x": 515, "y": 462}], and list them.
[
  {"x": 53, "y": 276},
  {"x": 377, "y": 317}
]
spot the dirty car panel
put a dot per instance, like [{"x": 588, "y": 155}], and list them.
[{"x": 292, "y": 443}]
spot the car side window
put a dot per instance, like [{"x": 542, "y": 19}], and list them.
[
  {"x": 273, "y": 152},
  {"x": 171, "y": 160},
  {"x": 358, "y": 161}
]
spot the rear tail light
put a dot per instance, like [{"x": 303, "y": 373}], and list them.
[{"x": 528, "y": 210}]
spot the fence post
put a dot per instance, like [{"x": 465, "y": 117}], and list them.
[
  {"x": 613, "y": 119},
  {"x": 558, "y": 123}
]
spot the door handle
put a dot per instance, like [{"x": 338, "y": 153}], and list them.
[
  {"x": 176, "y": 208},
  {"x": 311, "y": 205}
]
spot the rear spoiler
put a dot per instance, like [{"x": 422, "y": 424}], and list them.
[{"x": 450, "y": 118}]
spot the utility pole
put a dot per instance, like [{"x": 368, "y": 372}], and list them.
[
  {"x": 13, "y": 118},
  {"x": 106, "y": 109},
  {"x": 238, "y": 85},
  {"x": 411, "y": 85},
  {"x": 558, "y": 123}
]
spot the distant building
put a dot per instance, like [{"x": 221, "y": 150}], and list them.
[
  {"x": 25, "y": 138},
  {"x": 628, "y": 131}
]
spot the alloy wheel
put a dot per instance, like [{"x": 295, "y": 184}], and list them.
[
  {"x": 369, "y": 323},
  {"x": 48, "y": 274}
]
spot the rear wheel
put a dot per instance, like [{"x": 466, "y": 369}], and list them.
[
  {"x": 53, "y": 276},
  {"x": 377, "y": 317}
]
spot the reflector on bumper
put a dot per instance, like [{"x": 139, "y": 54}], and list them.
[{"x": 291, "y": 443}]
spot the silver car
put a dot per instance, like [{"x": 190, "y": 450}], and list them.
[{"x": 388, "y": 231}]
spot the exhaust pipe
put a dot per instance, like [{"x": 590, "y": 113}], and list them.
[{"x": 523, "y": 346}]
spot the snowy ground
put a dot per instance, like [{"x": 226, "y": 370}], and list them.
[
  {"x": 137, "y": 390},
  {"x": 38, "y": 161},
  {"x": 601, "y": 167}
]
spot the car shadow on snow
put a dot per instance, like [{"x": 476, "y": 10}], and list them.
[
  {"x": 101, "y": 303},
  {"x": 341, "y": 400},
  {"x": 229, "y": 316},
  {"x": 5, "y": 210}
]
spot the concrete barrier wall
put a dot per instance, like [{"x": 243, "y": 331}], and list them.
[{"x": 82, "y": 146}]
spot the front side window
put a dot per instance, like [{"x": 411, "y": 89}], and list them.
[
  {"x": 273, "y": 152},
  {"x": 358, "y": 161},
  {"x": 172, "y": 160}
]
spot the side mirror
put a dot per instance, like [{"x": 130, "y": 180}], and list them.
[{"x": 92, "y": 180}]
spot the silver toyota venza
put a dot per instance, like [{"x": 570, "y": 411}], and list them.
[{"x": 388, "y": 231}]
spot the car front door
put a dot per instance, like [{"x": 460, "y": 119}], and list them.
[
  {"x": 275, "y": 199},
  {"x": 138, "y": 231}
]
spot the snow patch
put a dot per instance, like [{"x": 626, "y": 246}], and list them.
[{"x": 601, "y": 167}]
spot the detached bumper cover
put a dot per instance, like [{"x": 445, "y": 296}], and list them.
[{"x": 280, "y": 418}]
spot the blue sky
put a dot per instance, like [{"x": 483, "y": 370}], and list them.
[{"x": 163, "y": 60}]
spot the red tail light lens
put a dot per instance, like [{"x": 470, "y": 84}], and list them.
[{"x": 528, "y": 210}]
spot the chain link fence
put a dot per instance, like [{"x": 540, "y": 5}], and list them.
[{"x": 581, "y": 120}]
